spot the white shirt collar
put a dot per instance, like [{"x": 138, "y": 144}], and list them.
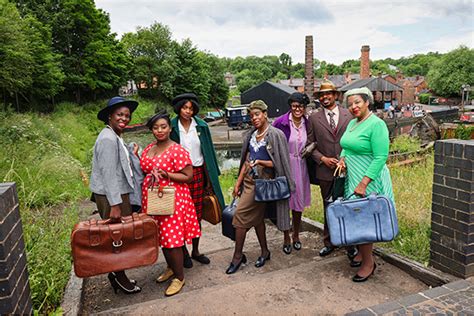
[
  {"x": 191, "y": 127},
  {"x": 335, "y": 111}
]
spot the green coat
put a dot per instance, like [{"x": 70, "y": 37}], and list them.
[{"x": 207, "y": 148}]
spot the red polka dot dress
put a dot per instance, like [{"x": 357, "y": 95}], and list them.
[{"x": 183, "y": 225}]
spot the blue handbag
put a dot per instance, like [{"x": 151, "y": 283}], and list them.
[
  {"x": 361, "y": 221},
  {"x": 268, "y": 190}
]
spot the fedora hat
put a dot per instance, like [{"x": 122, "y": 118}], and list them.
[
  {"x": 113, "y": 103},
  {"x": 326, "y": 86}
]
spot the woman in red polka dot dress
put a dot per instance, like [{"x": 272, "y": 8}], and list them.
[{"x": 170, "y": 163}]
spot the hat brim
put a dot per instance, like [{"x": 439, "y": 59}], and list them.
[
  {"x": 103, "y": 114},
  {"x": 325, "y": 90}
]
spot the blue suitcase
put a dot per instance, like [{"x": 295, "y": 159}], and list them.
[{"x": 361, "y": 221}]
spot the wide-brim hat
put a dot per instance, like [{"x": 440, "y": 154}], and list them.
[
  {"x": 114, "y": 103},
  {"x": 326, "y": 86},
  {"x": 181, "y": 99}
]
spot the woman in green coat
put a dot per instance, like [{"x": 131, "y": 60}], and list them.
[
  {"x": 365, "y": 145},
  {"x": 194, "y": 135}
]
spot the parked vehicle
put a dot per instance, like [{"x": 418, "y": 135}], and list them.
[
  {"x": 237, "y": 116},
  {"x": 213, "y": 116}
]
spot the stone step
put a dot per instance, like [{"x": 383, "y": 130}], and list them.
[
  {"x": 301, "y": 282},
  {"x": 455, "y": 298}
]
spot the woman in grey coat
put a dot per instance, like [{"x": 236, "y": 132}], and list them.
[
  {"x": 112, "y": 178},
  {"x": 264, "y": 155}
]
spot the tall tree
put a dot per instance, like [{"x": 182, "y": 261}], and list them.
[
  {"x": 286, "y": 64},
  {"x": 91, "y": 58},
  {"x": 47, "y": 76},
  {"x": 16, "y": 60},
  {"x": 453, "y": 70},
  {"x": 150, "y": 50}
]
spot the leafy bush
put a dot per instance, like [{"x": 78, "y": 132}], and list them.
[
  {"x": 463, "y": 131},
  {"x": 424, "y": 98}
]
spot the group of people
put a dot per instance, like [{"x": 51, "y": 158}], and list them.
[{"x": 348, "y": 137}]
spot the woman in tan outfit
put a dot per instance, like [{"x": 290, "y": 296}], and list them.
[{"x": 265, "y": 156}]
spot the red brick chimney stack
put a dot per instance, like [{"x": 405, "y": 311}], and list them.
[
  {"x": 308, "y": 68},
  {"x": 364, "y": 62}
]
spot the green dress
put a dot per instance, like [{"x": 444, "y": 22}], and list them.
[{"x": 365, "y": 149}]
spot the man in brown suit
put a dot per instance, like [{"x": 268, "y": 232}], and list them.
[{"x": 325, "y": 128}]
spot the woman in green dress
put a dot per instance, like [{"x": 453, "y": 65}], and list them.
[{"x": 365, "y": 145}]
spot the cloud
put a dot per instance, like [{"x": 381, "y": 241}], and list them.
[{"x": 251, "y": 27}]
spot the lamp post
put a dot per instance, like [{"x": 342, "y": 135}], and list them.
[{"x": 465, "y": 88}]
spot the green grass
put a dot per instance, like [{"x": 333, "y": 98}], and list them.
[
  {"x": 412, "y": 189},
  {"x": 405, "y": 144}
]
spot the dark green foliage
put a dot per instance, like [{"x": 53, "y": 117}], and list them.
[
  {"x": 451, "y": 71},
  {"x": 424, "y": 98},
  {"x": 165, "y": 68},
  {"x": 70, "y": 53}
]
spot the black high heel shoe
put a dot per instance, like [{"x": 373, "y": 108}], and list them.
[
  {"x": 234, "y": 267},
  {"x": 261, "y": 260},
  {"x": 112, "y": 274},
  {"x": 116, "y": 285},
  {"x": 358, "y": 278}
]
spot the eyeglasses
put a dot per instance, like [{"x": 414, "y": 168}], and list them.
[{"x": 297, "y": 106}]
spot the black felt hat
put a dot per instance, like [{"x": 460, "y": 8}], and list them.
[
  {"x": 299, "y": 97},
  {"x": 181, "y": 100},
  {"x": 113, "y": 103}
]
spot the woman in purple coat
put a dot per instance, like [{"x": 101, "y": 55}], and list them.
[{"x": 293, "y": 124}]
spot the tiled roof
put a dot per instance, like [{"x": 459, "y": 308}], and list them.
[{"x": 374, "y": 84}]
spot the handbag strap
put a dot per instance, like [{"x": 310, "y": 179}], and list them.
[{"x": 160, "y": 187}]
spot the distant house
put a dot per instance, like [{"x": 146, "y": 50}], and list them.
[
  {"x": 338, "y": 80},
  {"x": 385, "y": 92},
  {"x": 295, "y": 83},
  {"x": 229, "y": 79},
  {"x": 419, "y": 83},
  {"x": 275, "y": 95}
]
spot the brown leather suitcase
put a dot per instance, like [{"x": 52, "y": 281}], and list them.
[
  {"x": 211, "y": 209},
  {"x": 100, "y": 247}
]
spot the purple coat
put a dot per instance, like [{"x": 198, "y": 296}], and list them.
[{"x": 283, "y": 124}]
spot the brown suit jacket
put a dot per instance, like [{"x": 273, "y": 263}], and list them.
[{"x": 327, "y": 142}]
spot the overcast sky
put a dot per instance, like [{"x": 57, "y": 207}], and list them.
[{"x": 339, "y": 28}]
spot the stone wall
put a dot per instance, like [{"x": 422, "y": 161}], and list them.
[
  {"x": 14, "y": 287},
  {"x": 452, "y": 218}
]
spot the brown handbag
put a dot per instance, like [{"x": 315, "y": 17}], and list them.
[
  {"x": 211, "y": 209},
  {"x": 101, "y": 246}
]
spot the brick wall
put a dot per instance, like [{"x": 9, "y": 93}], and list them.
[
  {"x": 309, "y": 68},
  {"x": 365, "y": 62},
  {"x": 452, "y": 217},
  {"x": 14, "y": 287}
]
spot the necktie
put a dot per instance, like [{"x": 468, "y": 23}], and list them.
[{"x": 332, "y": 123}]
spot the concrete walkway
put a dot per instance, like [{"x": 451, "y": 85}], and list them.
[{"x": 300, "y": 283}]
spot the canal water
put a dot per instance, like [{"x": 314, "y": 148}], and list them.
[{"x": 226, "y": 158}]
